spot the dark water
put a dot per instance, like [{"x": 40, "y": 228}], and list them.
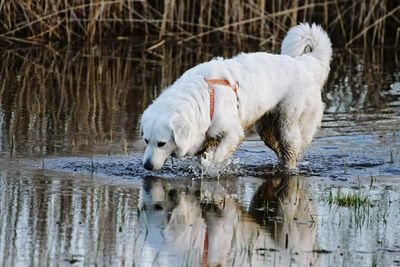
[{"x": 73, "y": 191}]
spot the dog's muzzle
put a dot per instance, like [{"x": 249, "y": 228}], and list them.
[{"x": 148, "y": 165}]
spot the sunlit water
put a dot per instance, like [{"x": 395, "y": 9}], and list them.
[{"x": 73, "y": 191}]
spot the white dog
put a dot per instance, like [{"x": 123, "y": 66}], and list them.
[{"x": 220, "y": 99}]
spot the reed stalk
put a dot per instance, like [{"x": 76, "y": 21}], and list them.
[{"x": 350, "y": 23}]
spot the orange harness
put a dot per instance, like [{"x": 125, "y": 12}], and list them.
[{"x": 211, "y": 83}]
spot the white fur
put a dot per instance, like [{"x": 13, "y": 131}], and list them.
[{"x": 286, "y": 87}]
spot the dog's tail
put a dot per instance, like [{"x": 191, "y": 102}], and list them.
[{"x": 303, "y": 39}]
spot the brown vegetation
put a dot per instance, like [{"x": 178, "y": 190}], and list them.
[{"x": 349, "y": 22}]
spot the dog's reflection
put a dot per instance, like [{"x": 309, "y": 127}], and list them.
[{"x": 230, "y": 222}]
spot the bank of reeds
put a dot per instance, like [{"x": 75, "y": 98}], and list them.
[{"x": 361, "y": 22}]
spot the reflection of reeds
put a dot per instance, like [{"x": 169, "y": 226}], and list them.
[
  {"x": 55, "y": 101},
  {"x": 64, "y": 101},
  {"x": 58, "y": 214},
  {"x": 371, "y": 21},
  {"x": 86, "y": 100},
  {"x": 358, "y": 79}
]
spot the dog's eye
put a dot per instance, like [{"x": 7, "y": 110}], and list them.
[
  {"x": 160, "y": 144},
  {"x": 147, "y": 141}
]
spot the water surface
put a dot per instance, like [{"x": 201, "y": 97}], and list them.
[{"x": 73, "y": 191}]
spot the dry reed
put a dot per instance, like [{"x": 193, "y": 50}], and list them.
[{"x": 370, "y": 22}]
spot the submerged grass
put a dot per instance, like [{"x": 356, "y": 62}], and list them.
[
  {"x": 352, "y": 199},
  {"x": 366, "y": 22},
  {"x": 357, "y": 203}
]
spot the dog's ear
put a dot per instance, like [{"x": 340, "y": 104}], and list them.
[
  {"x": 180, "y": 134},
  {"x": 140, "y": 130},
  {"x": 141, "y": 127}
]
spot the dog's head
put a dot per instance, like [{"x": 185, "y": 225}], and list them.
[{"x": 165, "y": 136}]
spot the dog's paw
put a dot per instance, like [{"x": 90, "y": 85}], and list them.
[
  {"x": 214, "y": 169},
  {"x": 207, "y": 158},
  {"x": 285, "y": 169}
]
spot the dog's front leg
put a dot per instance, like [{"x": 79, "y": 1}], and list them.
[{"x": 228, "y": 144}]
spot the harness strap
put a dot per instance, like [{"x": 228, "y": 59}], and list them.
[
  {"x": 204, "y": 258},
  {"x": 211, "y": 83}
]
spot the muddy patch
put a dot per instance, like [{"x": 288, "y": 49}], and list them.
[{"x": 333, "y": 157}]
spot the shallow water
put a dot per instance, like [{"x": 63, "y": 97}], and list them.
[{"x": 73, "y": 191}]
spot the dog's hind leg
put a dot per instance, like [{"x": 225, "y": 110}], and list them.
[
  {"x": 290, "y": 146},
  {"x": 310, "y": 121},
  {"x": 269, "y": 131},
  {"x": 282, "y": 134}
]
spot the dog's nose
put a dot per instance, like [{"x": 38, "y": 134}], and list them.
[{"x": 148, "y": 166}]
